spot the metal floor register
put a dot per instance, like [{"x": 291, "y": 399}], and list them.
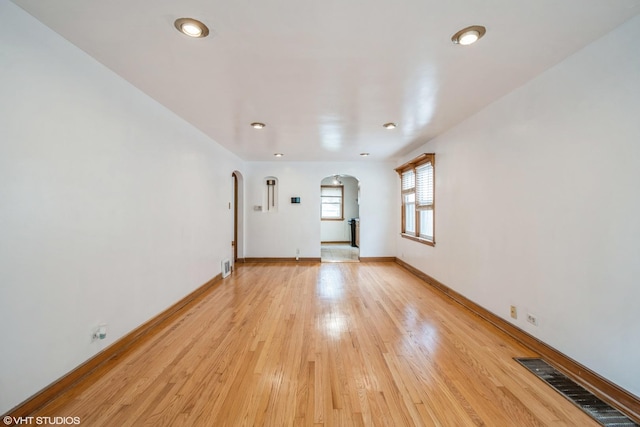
[{"x": 599, "y": 410}]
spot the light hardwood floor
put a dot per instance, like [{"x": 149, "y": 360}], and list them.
[{"x": 351, "y": 344}]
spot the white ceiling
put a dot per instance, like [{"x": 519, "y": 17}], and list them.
[{"x": 325, "y": 75}]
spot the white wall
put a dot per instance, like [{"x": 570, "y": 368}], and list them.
[
  {"x": 538, "y": 205},
  {"x": 111, "y": 207},
  {"x": 340, "y": 231},
  {"x": 297, "y": 226}
]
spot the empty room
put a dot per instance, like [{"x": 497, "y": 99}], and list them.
[{"x": 320, "y": 213}]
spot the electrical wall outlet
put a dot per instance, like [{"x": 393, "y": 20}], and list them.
[
  {"x": 100, "y": 332},
  {"x": 514, "y": 312},
  {"x": 531, "y": 318}
]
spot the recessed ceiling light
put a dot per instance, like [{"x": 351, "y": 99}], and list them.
[
  {"x": 364, "y": 154},
  {"x": 278, "y": 154},
  {"x": 191, "y": 27},
  {"x": 389, "y": 125},
  {"x": 469, "y": 35},
  {"x": 257, "y": 125}
]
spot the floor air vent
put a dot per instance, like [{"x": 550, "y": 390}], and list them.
[{"x": 585, "y": 400}]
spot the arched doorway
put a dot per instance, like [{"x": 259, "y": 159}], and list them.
[{"x": 340, "y": 218}]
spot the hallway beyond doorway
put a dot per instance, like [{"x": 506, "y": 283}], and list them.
[{"x": 339, "y": 252}]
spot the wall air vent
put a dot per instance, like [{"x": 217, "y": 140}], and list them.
[{"x": 226, "y": 268}]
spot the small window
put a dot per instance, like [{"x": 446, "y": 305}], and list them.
[
  {"x": 418, "y": 201},
  {"x": 332, "y": 207}
]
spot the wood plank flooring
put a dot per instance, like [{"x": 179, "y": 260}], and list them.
[{"x": 312, "y": 344}]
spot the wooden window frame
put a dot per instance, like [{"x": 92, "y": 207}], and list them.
[
  {"x": 322, "y": 218},
  {"x": 412, "y": 165}
]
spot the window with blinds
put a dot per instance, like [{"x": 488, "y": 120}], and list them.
[
  {"x": 418, "y": 201},
  {"x": 331, "y": 204}
]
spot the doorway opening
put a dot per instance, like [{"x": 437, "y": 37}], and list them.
[
  {"x": 236, "y": 244},
  {"x": 340, "y": 218}
]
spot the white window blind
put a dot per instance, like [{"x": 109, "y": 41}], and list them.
[
  {"x": 332, "y": 192},
  {"x": 408, "y": 180},
  {"x": 424, "y": 186}
]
